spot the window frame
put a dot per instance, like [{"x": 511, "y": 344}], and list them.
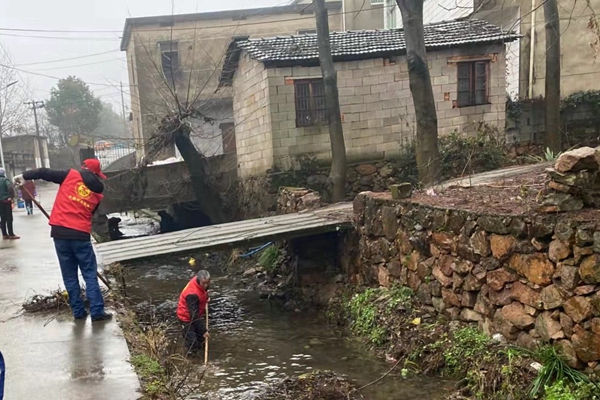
[
  {"x": 228, "y": 137},
  {"x": 317, "y": 116},
  {"x": 472, "y": 77},
  {"x": 169, "y": 51}
]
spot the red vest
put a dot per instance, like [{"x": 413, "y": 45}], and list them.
[
  {"x": 191, "y": 288},
  {"x": 74, "y": 204}
]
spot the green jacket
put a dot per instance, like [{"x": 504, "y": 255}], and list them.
[{"x": 7, "y": 189}]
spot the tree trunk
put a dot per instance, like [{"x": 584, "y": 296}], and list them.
[
  {"x": 337, "y": 175},
  {"x": 206, "y": 196},
  {"x": 553, "y": 139},
  {"x": 428, "y": 159}
]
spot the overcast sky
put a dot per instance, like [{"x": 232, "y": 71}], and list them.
[{"x": 102, "y": 72}]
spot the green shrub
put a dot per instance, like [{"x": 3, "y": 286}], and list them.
[
  {"x": 460, "y": 154},
  {"x": 554, "y": 369},
  {"x": 268, "y": 258},
  {"x": 366, "y": 310},
  {"x": 561, "y": 390}
]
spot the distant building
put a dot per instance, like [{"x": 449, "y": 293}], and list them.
[
  {"x": 181, "y": 55},
  {"x": 279, "y": 99},
  {"x": 526, "y": 62},
  {"x": 25, "y": 152}
]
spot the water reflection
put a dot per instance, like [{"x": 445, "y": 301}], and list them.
[
  {"x": 253, "y": 342},
  {"x": 87, "y": 365}
]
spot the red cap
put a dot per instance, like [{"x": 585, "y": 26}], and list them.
[{"x": 94, "y": 165}]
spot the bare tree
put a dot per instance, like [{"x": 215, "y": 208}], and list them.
[
  {"x": 13, "y": 113},
  {"x": 422, "y": 93},
  {"x": 337, "y": 175},
  {"x": 553, "y": 134}
]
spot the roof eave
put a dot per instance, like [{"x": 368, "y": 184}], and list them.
[
  {"x": 153, "y": 20},
  {"x": 313, "y": 61},
  {"x": 126, "y": 34}
]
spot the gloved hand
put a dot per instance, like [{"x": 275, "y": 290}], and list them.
[{"x": 18, "y": 179}]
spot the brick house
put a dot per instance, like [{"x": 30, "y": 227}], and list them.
[
  {"x": 179, "y": 54},
  {"x": 278, "y": 95}
]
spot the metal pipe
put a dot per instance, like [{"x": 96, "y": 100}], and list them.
[{"x": 531, "y": 50}]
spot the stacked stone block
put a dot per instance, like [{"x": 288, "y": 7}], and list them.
[
  {"x": 574, "y": 182},
  {"x": 293, "y": 200},
  {"x": 531, "y": 278}
]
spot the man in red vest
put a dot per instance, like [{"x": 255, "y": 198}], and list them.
[
  {"x": 78, "y": 197},
  {"x": 191, "y": 309}
]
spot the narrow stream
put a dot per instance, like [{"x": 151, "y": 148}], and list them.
[{"x": 254, "y": 342}]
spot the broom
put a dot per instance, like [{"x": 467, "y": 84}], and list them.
[{"x": 48, "y": 216}]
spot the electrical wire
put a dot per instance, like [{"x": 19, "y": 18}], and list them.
[{"x": 67, "y": 59}]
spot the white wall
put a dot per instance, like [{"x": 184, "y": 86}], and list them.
[{"x": 433, "y": 11}]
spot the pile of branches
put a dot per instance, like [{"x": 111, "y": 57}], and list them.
[
  {"x": 56, "y": 300},
  {"x": 314, "y": 386}
]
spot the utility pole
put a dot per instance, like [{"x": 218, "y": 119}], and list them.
[
  {"x": 123, "y": 107},
  {"x": 35, "y": 105}
]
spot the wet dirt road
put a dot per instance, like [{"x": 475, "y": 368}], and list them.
[{"x": 47, "y": 356}]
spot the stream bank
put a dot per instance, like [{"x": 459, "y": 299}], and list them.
[{"x": 255, "y": 344}]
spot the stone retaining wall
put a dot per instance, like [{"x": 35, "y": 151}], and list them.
[{"x": 531, "y": 278}]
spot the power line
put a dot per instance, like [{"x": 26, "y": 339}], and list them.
[
  {"x": 80, "y": 65},
  {"x": 68, "y": 59},
  {"x": 98, "y": 39},
  {"x": 46, "y": 75}
]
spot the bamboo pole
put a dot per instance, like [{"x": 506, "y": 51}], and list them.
[{"x": 206, "y": 339}]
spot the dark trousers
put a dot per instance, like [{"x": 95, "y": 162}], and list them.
[
  {"x": 193, "y": 336},
  {"x": 29, "y": 206},
  {"x": 6, "y": 218},
  {"x": 74, "y": 255}
]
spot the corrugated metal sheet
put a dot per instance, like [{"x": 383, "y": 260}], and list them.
[{"x": 231, "y": 234}]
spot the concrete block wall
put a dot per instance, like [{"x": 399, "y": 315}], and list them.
[
  {"x": 376, "y": 105},
  {"x": 251, "y": 110}
]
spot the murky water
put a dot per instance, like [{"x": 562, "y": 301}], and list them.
[{"x": 253, "y": 342}]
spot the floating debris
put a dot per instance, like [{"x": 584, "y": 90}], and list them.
[{"x": 313, "y": 386}]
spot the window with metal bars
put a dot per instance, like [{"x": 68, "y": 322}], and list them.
[
  {"x": 310, "y": 102},
  {"x": 472, "y": 83}
]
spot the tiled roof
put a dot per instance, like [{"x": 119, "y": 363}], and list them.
[{"x": 367, "y": 44}]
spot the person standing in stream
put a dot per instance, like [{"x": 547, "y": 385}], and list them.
[
  {"x": 191, "y": 311},
  {"x": 7, "y": 195},
  {"x": 77, "y": 199}
]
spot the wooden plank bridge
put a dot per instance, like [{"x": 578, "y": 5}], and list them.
[{"x": 242, "y": 233}]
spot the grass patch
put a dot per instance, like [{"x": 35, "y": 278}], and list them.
[
  {"x": 368, "y": 311},
  {"x": 164, "y": 372},
  {"x": 268, "y": 258},
  {"x": 398, "y": 326},
  {"x": 467, "y": 346}
]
